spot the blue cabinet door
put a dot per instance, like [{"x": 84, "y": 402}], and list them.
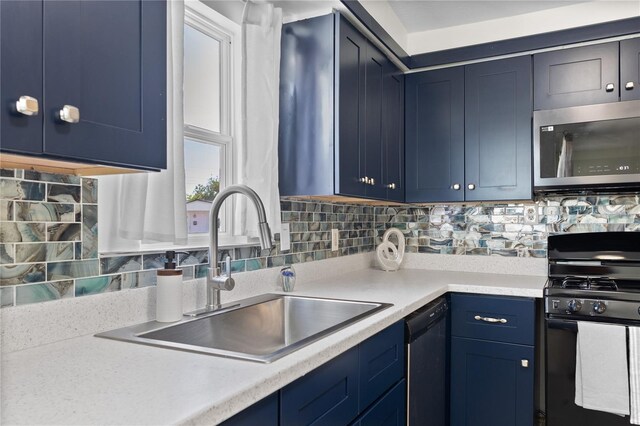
[
  {"x": 434, "y": 145},
  {"x": 630, "y": 69},
  {"x": 350, "y": 155},
  {"x": 498, "y": 113},
  {"x": 263, "y": 413},
  {"x": 390, "y": 410},
  {"x": 375, "y": 65},
  {"x": 491, "y": 383},
  {"x": 393, "y": 133},
  {"x": 578, "y": 76},
  {"x": 326, "y": 396},
  {"x": 382, "y": 363},
  {"x": 108, "y": 59},
  {"x": 20, "y": 74}
]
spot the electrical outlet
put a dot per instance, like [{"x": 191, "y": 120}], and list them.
[
  {"x": 285, "y": 237},
  {"x": 531, "y": 214},
  {"x": 335, "y": 234}
]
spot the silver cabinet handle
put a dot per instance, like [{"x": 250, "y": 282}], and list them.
[
  {"x": 364, "y": 179},
  {"x": 391, "y": 186},
  {"x": 456, "y": 186},
  {"x": 26, "y": 105},
  {"x": 489, "y": 319},
  {"x": 471, "y": 187},
  {"x": 524, "y": 363},
  {"x": 69, "y": 114},
  {"x": 372, "y": 181},
  {"x": 629, "y": 85},
  {"x": 609, "y": 87}
]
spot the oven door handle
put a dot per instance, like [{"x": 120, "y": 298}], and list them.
[{"x": 562, "y": 324}]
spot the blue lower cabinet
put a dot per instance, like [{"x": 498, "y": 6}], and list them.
[
  {"x": 263, "y": 413},
  {"x": 365, "y": 383},
  {"x": 326, "y": 396},
  {"x": 492, "y": 383},
  {"x": 382, "y": 363},
  {"x": 390, "y": 410}
]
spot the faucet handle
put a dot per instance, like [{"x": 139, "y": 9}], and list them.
[{"x": 227, "y": 262}]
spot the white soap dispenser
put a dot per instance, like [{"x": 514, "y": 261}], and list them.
[{"x": 169, "y": 291}]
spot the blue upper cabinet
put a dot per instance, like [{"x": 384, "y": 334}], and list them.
[
  {"x": 351, "y": 131},
  {"x": 336, "y": 136},
  {"x": 630, "y": 69},
  {"x": 434, "y": 160},
  {"x": 468, "y": 132},
  {"x": 393, "y": 133},
  {"x": 102, "y": 81},
  {"x": 21, "y": 76},
  {"x": 498, "y": 111},
  {"x": 578, "y": 76}
]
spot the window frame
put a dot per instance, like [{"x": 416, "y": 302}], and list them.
[{"x": 227, "y": 33}]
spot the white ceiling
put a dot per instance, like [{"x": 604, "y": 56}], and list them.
[{"x": 425, "y": 15}]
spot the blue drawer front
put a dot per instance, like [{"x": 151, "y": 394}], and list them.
[
  {"x": 264, "y": 413},
  {"x": 326, "y": 396},
  {"x": 382, "y": 363},
  {"x": 471, "y": 316}
]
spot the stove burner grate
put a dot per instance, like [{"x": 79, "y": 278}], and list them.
[{"x": 590, "y": 283}]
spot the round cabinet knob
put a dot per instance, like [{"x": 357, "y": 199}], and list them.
[
  {"x": 69, "y": 114},
  {"x": 455, "y": 186},
  {"x": 629, "y": 85},
  {"x": 574, "y": 306},
  {"x": 26, "y": 105},
  {"x": 372, "y": 181},
  {"x": 364, "y": 179},
  {"x": 609, "y": 87},
  {"x": 599, "y": 307},
  {"x": 391, "y": 186},
  {"x": 471, "y": 187}
]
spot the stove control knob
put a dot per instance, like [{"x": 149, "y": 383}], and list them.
[
  {"x": 574, "y": 306},
  {"x": 599, "y": 307}
]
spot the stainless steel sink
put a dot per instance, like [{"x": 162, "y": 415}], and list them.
[{"x": 262, "y": 328}]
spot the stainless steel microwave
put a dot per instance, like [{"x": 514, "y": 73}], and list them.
[{"x": 587, "y": 147}]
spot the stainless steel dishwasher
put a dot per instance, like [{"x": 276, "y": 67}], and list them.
[{"x": 427, "y": 364}]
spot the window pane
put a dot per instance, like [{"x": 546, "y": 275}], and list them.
[
  {"x": 201, "y": 80},
  {"x": 202, "y": 176}
]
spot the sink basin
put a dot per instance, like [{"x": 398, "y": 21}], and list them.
[{"x": 262, "y": 328}]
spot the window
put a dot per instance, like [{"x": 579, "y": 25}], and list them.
[{"x": 209, "y": 56}]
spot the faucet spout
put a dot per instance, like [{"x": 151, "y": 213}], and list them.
[{"x": 216, "y": 282}]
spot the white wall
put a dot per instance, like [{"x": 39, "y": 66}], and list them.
[
  {"x": 522, "y": 25},
  {"x": 387, "y": 18}
]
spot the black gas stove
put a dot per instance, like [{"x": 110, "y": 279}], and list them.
[{"x": 594, "y": 276}]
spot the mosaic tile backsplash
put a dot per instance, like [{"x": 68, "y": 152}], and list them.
[
  {"x": 500, "y": 229},
  {"x": 49, "y": 240},
  {"x": 49, "y": 235}
]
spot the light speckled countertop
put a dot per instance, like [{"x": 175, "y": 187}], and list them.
[{"x": 88, "y": 380}]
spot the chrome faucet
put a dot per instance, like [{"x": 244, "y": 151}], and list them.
[{"x": 215, "y": 281}]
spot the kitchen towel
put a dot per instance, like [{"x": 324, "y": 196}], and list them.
[
  {"x": 602, "y": 377},
  {"x": 634, "y": 373}
]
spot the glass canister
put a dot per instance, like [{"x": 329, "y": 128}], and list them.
[{"x": 288, "y": 278}]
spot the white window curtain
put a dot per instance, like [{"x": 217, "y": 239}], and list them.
[
  {"x": 257, "y": 153},
  {"x": 150, "y": 207}
]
